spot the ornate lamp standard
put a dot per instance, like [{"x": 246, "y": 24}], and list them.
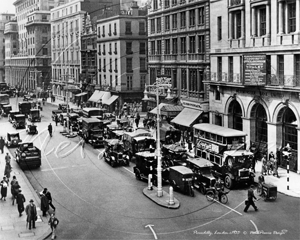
[{"x": 161, "y": 83}]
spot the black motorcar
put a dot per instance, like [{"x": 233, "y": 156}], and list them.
[
  {"x": 114, "y": 153},
  {"x": 63, "y": 107},
  {"x": 13, "y": 139},
  {"x": 175, "y": 154},
  {"x": 24, "y": 108},
  {"x": 34, "y": 115},
  {"x": 55, "y": 113},
  {"x": 12, "y": 114},
  {"x": 20, "y": 121},
  {"x": 32, "y": 129},
  {"x": 6, "y": 109},
  {"x": 181, "y": 178}
]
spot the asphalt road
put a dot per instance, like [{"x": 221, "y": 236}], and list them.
[{"x": 96, "y": 201}]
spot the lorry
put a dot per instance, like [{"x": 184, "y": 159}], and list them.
[{"x": 28, "y": 156}]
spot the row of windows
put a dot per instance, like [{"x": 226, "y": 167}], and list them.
[
  {"x": 129, "y": 50},
  {"x": 142, "y": 67},
  {"x": 196, "y": 44},
  {"x": 65, "y": 11},
  {"x": 64, "y": 27},
  {"x": 142, "y": 29},
  {"x": 195, "y": 17}
]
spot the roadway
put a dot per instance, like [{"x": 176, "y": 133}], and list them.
[{"x": 96, "y": 201}]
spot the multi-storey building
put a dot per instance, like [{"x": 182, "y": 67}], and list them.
[
  {"x": 178, "y": 45},
  {"x": 4, "y": 18},
  {"x": 122, "y": 56},
  {"x": 31, "y": 65},
  {"x": 255, "y": 72},
  {"x": 66, "y": 25}
]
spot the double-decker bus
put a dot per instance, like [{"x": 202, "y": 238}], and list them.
[{"x": 226, "y": 149}]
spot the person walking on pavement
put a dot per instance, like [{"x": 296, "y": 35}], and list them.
[
  {"x": 48, "y": 195},
  {"x": 7, "y": 170},
  {"x": 56, "y": 119},
  {"x": 15, "y": 190},
  {"x": 4, "y": 186},
  {"x": 53, "y": 222},
  {"x": 137, "y": 120},
  {"x": 250, "y": 199},
  {"x": 2, "y": 143},
  {"x": 20, "y": 199},
  {"x": 50, "y": 129},
  {"x": 264, "y": 165},
  {"x": 219, "y": 187},
  {"x": 31, "y": 214},
  {"x": 275, "y": 167},
  {"x": 7, "y": 158},
  {"x": 44, "y": 204}
]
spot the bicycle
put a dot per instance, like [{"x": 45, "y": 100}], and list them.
[{"x": 212, "y": 195}]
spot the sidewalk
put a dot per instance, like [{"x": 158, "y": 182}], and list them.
[{"x": 11, "y": 225}]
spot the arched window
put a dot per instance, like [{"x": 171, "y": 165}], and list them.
[
  {"x": 235, "y": 111},
  {"x": 261, "y": 127}
]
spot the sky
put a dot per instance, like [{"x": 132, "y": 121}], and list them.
[{"x": 7, "y": 6}]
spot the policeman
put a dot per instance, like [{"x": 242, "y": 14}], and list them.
[
  {"x": 219, "y": 187},
  {"x": 250, "y": 199}
]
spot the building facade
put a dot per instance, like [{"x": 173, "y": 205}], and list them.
[
  {"x": 255, "y": 72},
  {"x": 122, "y": 55},
  {"x": 31, "y": 66},
  {"x": 4, "y": 18},
  {"x": 178, "y": 45}
]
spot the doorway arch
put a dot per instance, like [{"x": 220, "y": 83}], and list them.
[
  {"x": 259, "y": 115},
  {"x": 235, "y": 114}
]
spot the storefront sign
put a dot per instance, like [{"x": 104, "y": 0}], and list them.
[
  {"x": 255, "y": 69},
  {"x": 193, "y": 105}
]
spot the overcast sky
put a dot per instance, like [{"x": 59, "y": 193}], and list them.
[{"x": 7, "y": 6}]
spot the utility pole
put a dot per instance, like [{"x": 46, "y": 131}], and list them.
[{"x": 67, "y": 78}]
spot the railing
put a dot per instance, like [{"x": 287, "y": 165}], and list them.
[
  {"x": 170, "y": 57},
  {"x": 195, "y": 56},
  {"x": 154, "y": 57}
]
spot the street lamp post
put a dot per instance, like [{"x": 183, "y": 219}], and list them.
[{"x": 161, "y": 83}]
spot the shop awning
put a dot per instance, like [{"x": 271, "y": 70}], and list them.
[
  {"x": 105, "y": 96},
  {"x": 187, "y": 117},
  {"x": 80, "y": 94},
  {"x": 154, "y": 110},
  {"x": 96, "y": 96},
  {"x": 171, "y": 110},
  {"x": 111, "y": 100}
]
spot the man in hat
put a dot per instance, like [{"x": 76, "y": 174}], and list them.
[
  {"x": 31, "y": 214},
  {"x": 20, "y": 202},
  {"x": 48, "y": 195},
  {"x": 44, "y": 204},
  {"x": 250, "y": 199},
  {"x": 50, "y": 129}
]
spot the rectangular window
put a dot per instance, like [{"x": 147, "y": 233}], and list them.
[
  {"x": 152, "y": 43},
  {"x": 110, "y": 64},
  {"x": 230, "y": 69},
  {"x": 183, "y": 79},
  {"x": 183, "y": 44},
  {"x": 104, "y": 65},
  {"x": 143, "y": 81},
  {"x": 219, "y": 27},
  {"x": 115, "y": 29},
  {"x": 263, "y": 22},
  {"x": 219, "y": 68},
  {"x": 143, "y": 65},
  {"x": 280, "y": 68},
  {"x": 167, "y": 23},
  {"x": 129, "y": 82},
  {"x": 292, "y": 17},
  {"x": 174, "y": 46},
  {"x": 158, "y": 24},
  {"x": 238, "y": 25},
  {"x": 167, "y": 46},
  {"x": 297, "y": 69},
  {"x": 174, "y": 21},
  {"x": 128, "y": 28},
  {"x": 158, "y": 47},
  {"x": 142, "y": 48},
  {"x": 201, "y": 16},
  {"x": 129, "y": 65},
  {"x": 201, "y": 43},
  {"x": 128, "y": 47},
  {"x": 155, "y": 4},
  {"x": 192, "y": 44},
  {"x": 103, "y": 31},
  {"x": 116, "y": 65},
  {"x": 142, "y": 29},
  {"x": 116, "y": 47},
  {"x": 174, "y": 78},
  {"x": 152, "y": 22},
  {"x": 192, "y": 17},
  {"x": 109, "y": 30},
  {"x": 45, "y": 51},
  {"x": 182, "y": 19}
]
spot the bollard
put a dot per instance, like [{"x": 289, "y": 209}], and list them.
[
  {"x": 288, "y": 171},
  {"x": 150, "y": 182},
  {"x": 171, "y": 200}
]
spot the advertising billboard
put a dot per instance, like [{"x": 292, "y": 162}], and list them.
[{"x": 255, "y": 69}]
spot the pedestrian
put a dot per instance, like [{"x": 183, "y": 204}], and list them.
[
  {"x": 4, "y": 186},
  {"x": 137, "y": 120},
  {"x": 275, "y": 167},
  {"x": 264, "y": 165},
  {"x": 2, "y": 143},
  {"x": 31, "y": 214},
  {"x": 15, "y": 187},
  {"x": 270, "y": 162},
  {"x": 48, "y": 195},
  {"x": 53, "y": 222},
  {"x": 50, "y": 129},
  {"x": 190, "y": 145},
  {"x": 20, "y": 199},
  {"x": 7, "y": 158},
  {"x": 44, "y": 204},
  {"x": 250, "y": 199},
  {"x": 253, "y": 162},
  {"x": 7, "y": 170},
  {"x": 56, "y": 119}
]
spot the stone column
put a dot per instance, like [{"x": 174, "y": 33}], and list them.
[
  {"x": 243, "y": 24},
  {"x": 225, "y": 120},
  {"x": 280, "y": 13},
  {"x": 230, "y": 26},
  {"x": 297, "y": 16},
  {"x": 272, "y": 136},
  {"x": 268, "y": 19},
  {"x": 258, "y": 24},
  {"x": 298, "y": 152},
  {"x": 254, "y": 22},
  {"x": 247, "y": 129}
]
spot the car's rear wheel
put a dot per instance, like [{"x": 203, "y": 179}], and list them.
[{"x": 228, "y": 182}]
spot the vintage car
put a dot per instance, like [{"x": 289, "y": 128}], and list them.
[
  {"x": 24, "y": 108},
  {"x": 13, "y": 139},
  {"x": 92, "y": 129},
  {"x": 20, "y": 121},
  {"x": 123, "y": 122},
  {"x": 28, "y": 156},
  {"x": 137, "y": 141},
  {"x": 34, "y": 115},
  {"x": 202, "y": 169},
  {"x": 55, "y": 113},
  {"x": 169, "y": 134},
  {"x": 111, "y": 130},
  {"x": 114, "y": 153},
  {"x": 72, "y": 118},
  {"x": 175, "y": 154},
  {"x": 27, "y": 98},
  {"x": 62, "y": 117},
  {"x": 12, "y": 114},
  {"x": 96, "y": 138},
  {"x": 6, "y": 110},
  {"x": 31, "y": 129},
  {"x": 37, "y": 105},
  {"x": 63, "y": 107},
  {"x": 181, "y": 178}
]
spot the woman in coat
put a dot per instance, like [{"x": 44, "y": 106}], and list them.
[
  {"x": 4, "y": 186},
  {"x": 7, "y": 170},
  {"x": 44, "y": 205}
]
